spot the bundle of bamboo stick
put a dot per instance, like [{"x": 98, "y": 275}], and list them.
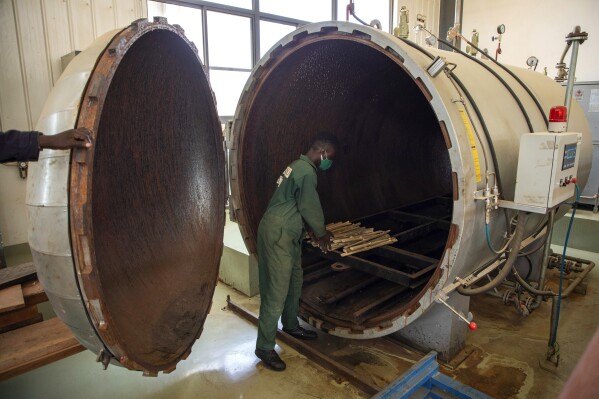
[{"x": 351, "y": 238}]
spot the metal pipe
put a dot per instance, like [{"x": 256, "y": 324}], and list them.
[
  {"x": 546, "y": 248},
  {"x": 515, "y": 247},
  {"x": 578, "y": 279},
  {"x": 529, "y": 287},
  {"x": 551, "y": 350},
  {"x": 571, "y": 76},
  {"x": 552, "y": 346},
  {"x": 596, "y": 200},
  {"x": 561, "y": 60},
  {"x": 458, "y": 20}
]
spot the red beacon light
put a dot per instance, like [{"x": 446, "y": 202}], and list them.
[{"x": 558, "y": 119}]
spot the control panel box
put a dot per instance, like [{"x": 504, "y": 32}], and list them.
[{"x": 547, "y": 167}]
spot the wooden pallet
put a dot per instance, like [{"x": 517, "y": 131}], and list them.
[
  {"x": 34, "y": 346},
  {"x": 26, "y": 340}
]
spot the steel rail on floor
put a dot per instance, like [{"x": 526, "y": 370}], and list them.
[
  {"x": 423, "y": 380},
  {"x": 309, "y": 351}
]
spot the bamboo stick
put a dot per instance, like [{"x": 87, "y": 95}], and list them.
[
  {"x": 350, "y": 238},
  {"x": 380, "y": 244}
]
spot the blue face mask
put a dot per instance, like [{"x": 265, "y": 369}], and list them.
[{"x": 325, "y": 162}]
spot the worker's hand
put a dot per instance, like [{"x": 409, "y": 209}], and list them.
[
  {"x": 73, "y": 138},
  {"x": 324, "y": 242}
]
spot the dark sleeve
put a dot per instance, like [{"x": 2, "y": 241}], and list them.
[
  {"x": 308, "y": 203},
  {"x": 19, "y": 146}
]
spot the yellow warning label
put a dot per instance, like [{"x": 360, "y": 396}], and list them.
[{"x": 472, "y": 144}]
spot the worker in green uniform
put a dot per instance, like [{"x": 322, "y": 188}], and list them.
[{"x": 294, "y": 207}]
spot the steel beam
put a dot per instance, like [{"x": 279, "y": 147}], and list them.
[
  {"x": 403, "y": 256},
  {"x": 376, "y": 269}
]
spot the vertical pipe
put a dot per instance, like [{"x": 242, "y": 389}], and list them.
[
  {"x": 391, "y": 17},
  {"x": 551, "y": 344},
  {"x": 334, "y": 7},
  {"x": 458, "y": 20},
  {"x": 571, "y": 76},
  {"x": 546, "y": 250}
]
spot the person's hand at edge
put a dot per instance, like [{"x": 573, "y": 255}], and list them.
[{"x": 72, "y": 138}]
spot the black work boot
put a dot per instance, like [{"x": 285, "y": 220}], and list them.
[
  {"x": 271, "y": 359},
  {"x": 302, "y": 333}
]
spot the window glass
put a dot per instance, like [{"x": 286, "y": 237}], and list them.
[
  {"x": 235, "y": 3},
  {"x": 367, "y": 11},
  {"x": 227, "y": 86},
  {"x": 270, "y": 33},
  {"x": 189, "y": 18},
  {"x": 306, "y": 10},
  {"x": 229, "y": 40}
]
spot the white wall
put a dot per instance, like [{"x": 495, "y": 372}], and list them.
[
  {"x": 536, "y": 27},
  {"x": 34, "y": 35}
]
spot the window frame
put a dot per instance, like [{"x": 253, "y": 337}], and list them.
[{"x": 255, "y": 16}]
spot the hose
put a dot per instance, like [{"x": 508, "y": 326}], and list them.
[
  {"x": 502, "y": 250},
  {"x": 509, "y": 263},
  {"x": 499, "y": 78},
  {"x": 474, "y": 107},
  {"x": 485, "y": 265},
  {"x": 532, "y": 251},
  {"x": 529, "y": 287},
  {"x": 529, "y": 261},
  {"x": 561, "y": 267},
  {"x": 483, "y": 125},
  {"x": 517, "y": 79}
]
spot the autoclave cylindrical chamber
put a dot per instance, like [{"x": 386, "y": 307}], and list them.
[
  {"x": 413, "y": 146},
  {"x": 127, "y": 236}
]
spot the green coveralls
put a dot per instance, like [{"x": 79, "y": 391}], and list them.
[{"x": 279, "y": 248}]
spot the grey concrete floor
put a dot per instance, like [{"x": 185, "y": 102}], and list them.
[{"x": 222, "y": 364}]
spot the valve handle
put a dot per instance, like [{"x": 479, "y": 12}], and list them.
[{"x": 471, "y": 325}]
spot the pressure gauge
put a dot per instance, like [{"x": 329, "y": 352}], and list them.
[
  {"x": 532, "y": 61},
  {"x": 501, "y": 29}
]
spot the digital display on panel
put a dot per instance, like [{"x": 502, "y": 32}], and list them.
[{"x": 569, "y": 156}]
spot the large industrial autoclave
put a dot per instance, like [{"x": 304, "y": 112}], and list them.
[{"x": 430, "y": 143}]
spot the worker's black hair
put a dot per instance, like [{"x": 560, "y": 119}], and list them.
[{"x": 323, "y": 139}]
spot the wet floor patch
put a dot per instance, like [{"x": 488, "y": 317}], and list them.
[{"x": 498, "y": 376}]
